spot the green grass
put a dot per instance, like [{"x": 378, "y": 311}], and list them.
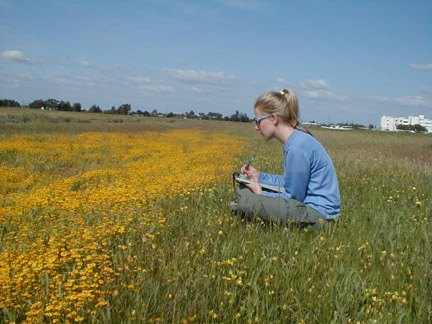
[
  {"x": 205, "y": 265},
  {"x": 373, "y": 264},
  {"x": 31, "y": 121}
]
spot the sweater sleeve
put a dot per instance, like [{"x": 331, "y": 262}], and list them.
[{"x": 295, "y": 178}]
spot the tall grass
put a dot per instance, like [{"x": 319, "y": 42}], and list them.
[{"x": 203, "y": 264}]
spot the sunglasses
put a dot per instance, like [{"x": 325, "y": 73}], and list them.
[{"x": 258, "y": 119}]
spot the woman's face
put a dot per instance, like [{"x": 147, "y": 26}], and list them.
[{"x": 264, "y": 124}]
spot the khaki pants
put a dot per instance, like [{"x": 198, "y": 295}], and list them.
[{"x": 277, "y": 210}]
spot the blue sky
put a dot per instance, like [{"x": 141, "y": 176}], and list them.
[{"x": 347, "y": 61}]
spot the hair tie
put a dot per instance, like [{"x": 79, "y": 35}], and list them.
[{"x": 283, "y": 92}]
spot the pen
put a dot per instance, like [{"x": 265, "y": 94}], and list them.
[{"x": 251, "y": 159}]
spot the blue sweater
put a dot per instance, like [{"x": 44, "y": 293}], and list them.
[{"x": 309, "y": 175}]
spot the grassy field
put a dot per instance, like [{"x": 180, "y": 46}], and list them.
[{"x": 107, "y": 218}]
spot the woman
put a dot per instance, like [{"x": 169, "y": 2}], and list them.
[{"x": 311, "y": 195}]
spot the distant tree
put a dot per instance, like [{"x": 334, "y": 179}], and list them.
[
  {"x": 214, "y": 115},
  {"x": 95, "y": 109},
  {"x": 124, "y": 109},
  {"x": 9, "y": 103},
  {"x": 146, "y": 113},
  {"x": 419, "y": 128},
  {"x": 37, "y": 104},
  {"x": 113, "y": 110},
  {"x": 61, "y": 105},
  {"x": 170, "y": 115},
  {"x": 239, "y": 117},
  {"x": 154, "y": 112},
  {"x": 413, "y": 128},
  {"x": 235, "y": 116},
  {"x": 244, "y": 118},
  {"x": 52, "y": 103},
  {"x": 77, "y": 107},
  {"x": 190, "y": 114},
  {"x": 64, "y": 106}
]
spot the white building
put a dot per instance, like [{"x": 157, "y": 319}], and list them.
[{"x": 389, "y": 123}]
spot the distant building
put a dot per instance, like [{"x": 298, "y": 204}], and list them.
[
  {"x": 338, "y": 127},
  {"x": 389, "y": 123}
]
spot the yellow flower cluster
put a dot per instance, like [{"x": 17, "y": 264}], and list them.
[{"x": 67, "y": 202}]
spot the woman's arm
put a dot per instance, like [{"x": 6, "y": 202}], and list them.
[
  {"x": 297, "y": 170},
  {"x": 272, "y": 179}
]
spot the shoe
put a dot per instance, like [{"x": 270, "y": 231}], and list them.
[{"x": 233, "y": 205}]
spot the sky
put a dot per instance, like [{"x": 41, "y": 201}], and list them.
[{"x": 346, "y": 60}]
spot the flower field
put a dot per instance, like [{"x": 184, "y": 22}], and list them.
[
  {"x": 68, "y": 202},
  {"x": 119, "y": 219}
]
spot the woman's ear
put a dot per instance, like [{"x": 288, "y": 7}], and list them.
[{"x": 275, "y": 119}]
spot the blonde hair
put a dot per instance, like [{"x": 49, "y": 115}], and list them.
[{"x": 283, "y": 103}]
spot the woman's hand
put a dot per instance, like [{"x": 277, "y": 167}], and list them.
[
  {"x": 253, "y": 174},
  {"x": 255, "y": 187},
  {"x": 250, "y": 172}
]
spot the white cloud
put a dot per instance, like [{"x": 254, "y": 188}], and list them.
[
  {"x": 101, "y": 68},
  {"x": 324, "y": 94},
  {"x": 281, "y": 80},
  {"x": 200, "y": 90},
  {"x": 156, "y": 88},
  {"x": 427, "y": 66},
  {"x": 319, "y": 89},
  {"x": 199, "y": 77},
  {"x": 245, "y": 4},
  {"x": 16, "y": 56},
  {"x": 411, "y": 101},
  {"x": 143, "y": 83},
  {"x": 426, "y": 89},
  {"x": 319, "y": 84},
  {"x": 18, "y": 79},
  {"x": 138, "y": 79},
  {"x": 317, "y": 93},
  {"x": 80, "y": 82},
  {"x": 207, "y": 89},
  {"x": 91, "y": 79},
  {"x": 84, "y": 63}
]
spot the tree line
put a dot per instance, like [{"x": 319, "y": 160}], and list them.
[
  {"x": 417, "y": 128},
  {"x": 123, "y": 109}
]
